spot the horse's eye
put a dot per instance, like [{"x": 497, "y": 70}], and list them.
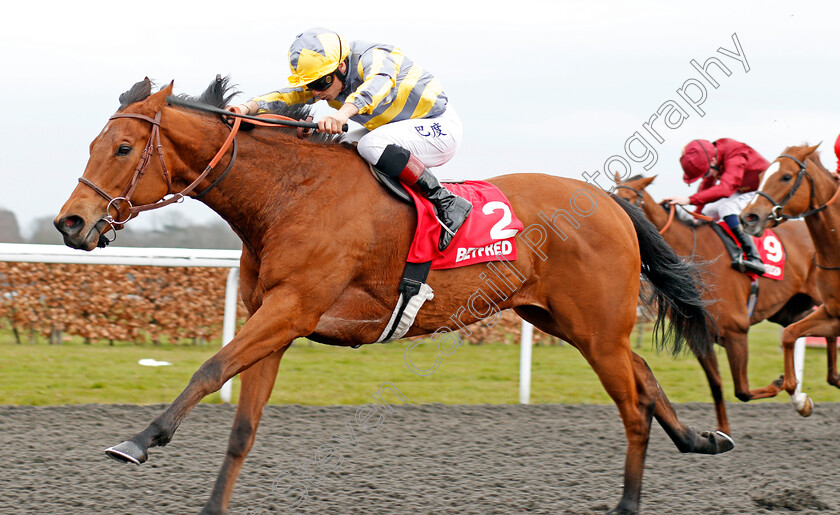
[
  {"x": 786, "y": 177},
  {"x": 123, "y": 150}
]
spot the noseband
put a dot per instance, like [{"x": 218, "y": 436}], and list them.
[
  {"x": 776, "y": 212},
  {"x": 152, "y": 146}
]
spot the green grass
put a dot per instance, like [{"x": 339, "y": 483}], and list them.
[{"x": 314, "y": 374}]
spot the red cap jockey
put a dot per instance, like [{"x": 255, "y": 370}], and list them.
[
  {"x": 697, "y": 159},
  {"x": 731, "y": 172}
]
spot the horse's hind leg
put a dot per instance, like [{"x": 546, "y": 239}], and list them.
[
  {"x": 257, "y": 383},
  {"x": 613, "y": 364},
  {"x": 710, "y": 366},
  {"x": 685, "y": 438},
  {"x": 833, "y": 377},
  {"x": 607, "y": 350},
  {"x": 737, "y": 351}
]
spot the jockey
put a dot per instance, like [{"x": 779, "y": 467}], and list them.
[
  {"x": 731, "y": 173},
  {"x": 837, "y": 153},
  {"x": 407, "y": 122}
]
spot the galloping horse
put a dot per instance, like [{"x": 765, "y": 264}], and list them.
[
  {"x": 324, "y": 248},
  {"x": 782, "y": 302},
  {"x": 782, "y": 197}
]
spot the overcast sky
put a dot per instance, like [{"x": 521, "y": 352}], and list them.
[{"x": 553, "y": 87}]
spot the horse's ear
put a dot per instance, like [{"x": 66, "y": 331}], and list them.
[
  {"x": 618, "y": 178},
  {"x": 811, "y": 150},
  {"x": 644, "y": 182},
  {"x": 158, "y": 100}
]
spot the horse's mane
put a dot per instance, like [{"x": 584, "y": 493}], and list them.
[
  {"x": 139, "y": 91},
  {"x": 219, "y": 94}
]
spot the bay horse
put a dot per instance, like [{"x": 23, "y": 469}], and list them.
[
  {"x": 782, "y": 197},
  {"x": 324, "y": 248},
  {"x": 782, "y": 302}
]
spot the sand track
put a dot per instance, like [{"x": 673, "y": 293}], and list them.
[{"x": 422, "y": 459}]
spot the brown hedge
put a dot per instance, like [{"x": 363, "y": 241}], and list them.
[
  {"x": 141, "y": 304},
  {"x": 104, "y": 302}
]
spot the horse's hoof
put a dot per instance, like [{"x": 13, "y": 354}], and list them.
[
  {"x": 127, "y": 452},
  {"x": 804, "y": 408},
  {"x": 720, "y": 441}
]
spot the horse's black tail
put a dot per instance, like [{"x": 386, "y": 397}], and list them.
[{"x": 676, "y": 289}]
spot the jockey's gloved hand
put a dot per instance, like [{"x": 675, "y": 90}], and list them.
[{"x": 302, "y": 132}]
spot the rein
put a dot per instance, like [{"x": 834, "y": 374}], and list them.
[
  {"x": 670, "y": 219},
  {"x": 776, "y": 212},
  {"x": 814, "y": 260},
  {"x": 698, "y": 215}
]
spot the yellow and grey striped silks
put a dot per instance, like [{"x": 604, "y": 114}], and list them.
[{"x": 385, "y": 85}]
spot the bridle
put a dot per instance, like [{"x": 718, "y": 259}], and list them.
[
  {"x": 776, "y": 212},
  {"x": 640, "y": 203},
  {"x": 154, "y": 146}
]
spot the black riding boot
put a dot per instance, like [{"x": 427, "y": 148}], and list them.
[
  {"x": 753, "y": 261},
  {"x": 451, "y": 210}
]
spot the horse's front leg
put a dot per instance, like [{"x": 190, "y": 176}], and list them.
[
  {"x": 271, "y": 329},
  {"x": 257, "y": 383},
  {"x": 818, "y": 323}
]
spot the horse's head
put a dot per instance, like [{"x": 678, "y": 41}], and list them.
[
  {"x": 633, "y": 189},
  {"x": 126, "y": 167},
  {"x": 787, "y": 189}
]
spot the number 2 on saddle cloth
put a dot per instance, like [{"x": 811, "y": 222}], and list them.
[{"x": 487, "y": 234}]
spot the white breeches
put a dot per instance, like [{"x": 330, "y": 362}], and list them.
[
  {"x": 733, "y": 205},
  {"x": 432, "y": 140}
]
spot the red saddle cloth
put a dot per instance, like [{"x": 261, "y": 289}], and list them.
[
  {"x": 488, "y": 234},
  {"x": 770, "y": 249}
]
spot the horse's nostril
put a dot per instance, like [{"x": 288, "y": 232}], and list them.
[{"x": 69, "y": 223}]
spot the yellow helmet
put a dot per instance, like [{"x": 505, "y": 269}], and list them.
[{"x": 315, "y": 53}]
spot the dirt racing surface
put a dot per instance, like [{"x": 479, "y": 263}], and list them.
[{"x": 418, "y": 459}]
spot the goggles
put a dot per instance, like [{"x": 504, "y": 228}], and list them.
[{"x": 322, "y": 83}]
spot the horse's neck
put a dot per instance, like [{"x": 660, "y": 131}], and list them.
[
  {"x": 678, "y": 235},
  {"x": 274, "y": 181},
  {"x": 824, "y": 224}
]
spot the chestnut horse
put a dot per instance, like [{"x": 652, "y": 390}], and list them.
[
  {"x": 797, "y": 185},
  {"x": 324, "y": 247},
  {"x": 781, "y": 302}
]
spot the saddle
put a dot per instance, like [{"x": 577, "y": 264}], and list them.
[
  {"x": 732, "y": 246},
  {"x": 769, "y": 247},
  {"x": 392, "y": 185},
  {"x": 487, "y": 235}
]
